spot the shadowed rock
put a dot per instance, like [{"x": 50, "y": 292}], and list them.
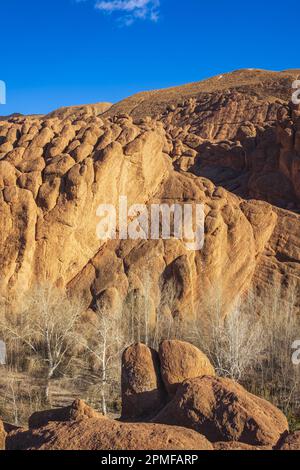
[{"x": 143, "y": 394}]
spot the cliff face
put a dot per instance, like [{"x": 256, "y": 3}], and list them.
[{"x": 230, "y": 143}]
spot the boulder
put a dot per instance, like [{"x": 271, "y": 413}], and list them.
[
  {"x": 99, "y": 434},
  {"x": 180, "y": 361},
  {"x": 143, "y": 394},
  {"x": 223, "y": 410},
  {"x": 75, "y": 412}
]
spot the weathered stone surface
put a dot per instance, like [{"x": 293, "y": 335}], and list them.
[
  {"x": 99, "y": 434},
  {"x": 180, "y": 361},
  {"x": 237, "y": 446},
  {"x": 143, "y": 394},
  {"x": 222, "y": 410},
  {"x": 76, "y": 412},
  {"x": 289, "y": 141}
]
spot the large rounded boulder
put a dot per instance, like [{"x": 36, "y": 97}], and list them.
[
  {"x": 223, "y": 410},
  {"x": 143, "y": 394},
  {"x": 180, "y": 361}
]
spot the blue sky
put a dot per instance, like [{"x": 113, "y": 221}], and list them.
[{"x": 64, "y": 52}]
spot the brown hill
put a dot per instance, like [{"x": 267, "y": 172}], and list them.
[{"x": 263, "y": 84}]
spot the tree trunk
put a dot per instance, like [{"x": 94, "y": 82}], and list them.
[
  {"x": 104, "y": 408},
  {"x": 46, "y": 397}
]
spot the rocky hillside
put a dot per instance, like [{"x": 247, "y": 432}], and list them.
[
  {"x": 171, "y": 400},
  {"x": 230, "y": 142}
]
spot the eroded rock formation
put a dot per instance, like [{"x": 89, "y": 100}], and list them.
[
  {"x": 76, "y": 412},
  {"x": 143, "y": 394},
  {"x": 230, "y": 143},
  {"x": 96, "y": 433},
  {"x": 222, "y": 410},
  {"x": 180, "y": 361}
]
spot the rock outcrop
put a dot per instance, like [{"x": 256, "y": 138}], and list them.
[
  {"x": 222, "y": 410},
  {"x": 143, "y": 394},
  {"x": 76, "y": 412},
  {"x": 218, "y": 408},
  {"x": 180, "y": 361},
  {"x": 288, "y": 136},
  {"x": 94, "y": 433},
  {"x": 78, "y": 112}
]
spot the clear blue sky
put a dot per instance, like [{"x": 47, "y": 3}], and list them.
[{"x": 64, "y": 52}]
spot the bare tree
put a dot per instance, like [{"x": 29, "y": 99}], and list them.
[
  {"x": 14, "y": 401},
  {"x": 279, "y": 376},
  {"x": 234, "y": 344},
  {"x": 46, "y": 326},
  {"x": 105, "y": 343},
  {"x": 168, "y": 324},
  {"x": 135, "y": 316},
  {"x": 253, "y": 344},
  {"x": 138, "y": 317}
]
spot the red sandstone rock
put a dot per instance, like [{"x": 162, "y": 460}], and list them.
[
  {"x": 222, "y": 410},
  {"x": 180, "y": 361},
  {"x": 143, "y": 394}
]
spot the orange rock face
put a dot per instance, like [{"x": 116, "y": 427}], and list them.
[{"x": 180, "y": 361}]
